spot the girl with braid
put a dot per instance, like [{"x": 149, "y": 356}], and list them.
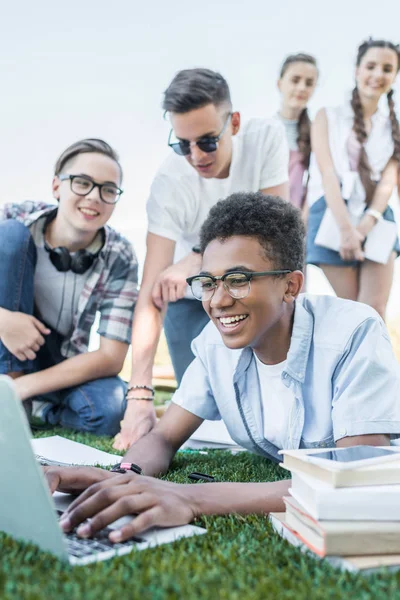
[
  {"x": 297, "y": 81},
  {"x": 353, "y": 171}
]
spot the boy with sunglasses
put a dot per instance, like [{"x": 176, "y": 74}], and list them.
[
  {"x": 283, "y": 371},
  {"x": 59, "y": 266},
  {"x": 214, "y": 155}
]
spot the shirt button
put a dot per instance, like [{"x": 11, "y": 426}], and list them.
[{"x": 342, "y": 431}]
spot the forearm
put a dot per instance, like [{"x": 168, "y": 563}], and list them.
[
  {"x": 69, "y": 373},
  {"x": 153, "y": 453},
  {"x": 146, "y": 331},
  {"x": 382, "y": 195},
  {"x": 334, "y": 200},
  {"x": 240, "y": 498}
]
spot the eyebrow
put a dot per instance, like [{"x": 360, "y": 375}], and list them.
[
  {"x": 91, "y": 178},
  {"x": 200, "y": 137},
  {"x": 234, "y": 269}
]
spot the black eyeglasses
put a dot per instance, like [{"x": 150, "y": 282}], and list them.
[
  {"x": 236, "y": 284},
  {"x": 82, "y": 185},
  {"x": 206, "y": 144}
]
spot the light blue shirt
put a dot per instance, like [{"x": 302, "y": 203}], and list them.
[{"x": 340, "y": 367}]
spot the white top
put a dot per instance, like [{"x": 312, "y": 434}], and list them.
[
  {"x": 277, "y": 401},
  {"x": 379, "y": 148},
  {"x": 180, "y": 198},
  {"x": 292, "y": 133}
]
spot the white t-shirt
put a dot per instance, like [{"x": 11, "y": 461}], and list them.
[
  {"x": 180, "y": 198},
  {"x": 277, "y": 401}
]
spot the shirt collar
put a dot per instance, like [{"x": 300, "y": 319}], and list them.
[{"x": 299, "y": 350}]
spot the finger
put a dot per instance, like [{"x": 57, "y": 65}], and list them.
[
  {"x": 165, "y": 293},
  {"x": 172, "y": 294},
  {"x": 53, "y": 480},
  {"x": 39, "y": 325},
  {"x": 180, "y": 290},
  {"x": 143, "y": 521},
  {"x": 35, "y": 347},
  {"x": 127, "y": 505},
  {"x": 39, "y": 340},
  {"x": 91, "y": 506},
  {"x": 30, "y": 355},
  {"x": 157, "y": 295},
  {"x": 116, "y": 480},
  {"x": 20, "y": 356}
]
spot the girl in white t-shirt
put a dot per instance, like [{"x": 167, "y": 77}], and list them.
[
  {"x": 297, "y": 81},
  {"x": 353, "y": 172}
]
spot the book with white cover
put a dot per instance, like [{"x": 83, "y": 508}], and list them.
[
  {"x": 343, "y": 538},
  {"x": 378, "y": 245},
  {"x": 381, "y": 472},
  {"x": 365, "y": 564},
  {"x": 367, "y": 503}
]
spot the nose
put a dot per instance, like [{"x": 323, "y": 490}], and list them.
[
  {"x": 196, "y": 154},
  {"x": 221, "y": 298},
  {"x": 94, "y": 194}
]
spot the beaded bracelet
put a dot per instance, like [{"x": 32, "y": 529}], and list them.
[
  {"x": 149, "y": 398},
  {"x": 141, "y": 387}
]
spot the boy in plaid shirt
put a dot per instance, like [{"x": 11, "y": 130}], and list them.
[{"x": 59, "y": 266}]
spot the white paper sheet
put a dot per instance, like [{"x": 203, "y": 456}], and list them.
[{"x": 61, "y": 451}]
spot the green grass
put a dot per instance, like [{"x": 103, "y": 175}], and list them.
[{"x": 239, "y": 557}]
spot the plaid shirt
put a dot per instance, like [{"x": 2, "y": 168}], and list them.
[{"x": 111, "y": 288}]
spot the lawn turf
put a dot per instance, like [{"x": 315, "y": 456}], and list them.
[{"x": 239, "y": 557}]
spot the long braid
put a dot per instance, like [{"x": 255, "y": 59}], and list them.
[
  {"x": 395, "y": 129},
  {"x": 304, "y": 137},
  {"x": 364, "y": 168}
]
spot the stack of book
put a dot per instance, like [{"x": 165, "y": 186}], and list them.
[{"x": 344, "y": 502}]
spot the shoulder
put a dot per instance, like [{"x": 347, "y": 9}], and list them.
[
  {"x": 118, "y": 248},
  {"x": 174, "y": 169},
  {"x": 27, "y": 210},
  {"x": 336, "y": 320},
  {"x": 262, "y": 129}
]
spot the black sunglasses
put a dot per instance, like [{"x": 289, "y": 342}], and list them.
[{"x": 206, "y": 144}]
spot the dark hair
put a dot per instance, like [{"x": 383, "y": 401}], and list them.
[
  {"x": 275, "y": 223},
  {"x": 304, "y": 123},
  {"x": 82, "y": 147},
  {"x": 364, "y": 167},
  {"x": 195, "y": 88}
]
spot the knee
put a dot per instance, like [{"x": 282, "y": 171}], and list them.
[
  {"x": 110, "y": 410},
  {"x": 14, "y": 237}
]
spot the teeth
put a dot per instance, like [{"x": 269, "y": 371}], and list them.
[
  {"x": 235, "y": 319},
  {"x": 88, "y": 211}
]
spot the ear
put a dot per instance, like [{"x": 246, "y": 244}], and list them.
[
  {"x": 55, "y": 186},
  {"x": 235, "y": 122},
  {"x": 279, "y": 85},
  {"x": 294, "y": 283}
]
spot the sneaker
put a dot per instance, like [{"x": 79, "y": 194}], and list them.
[{"x": 38, "y": 414}]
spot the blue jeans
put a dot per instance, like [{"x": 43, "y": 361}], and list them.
[
  {"x": 184, "y": 321},
  {"x": 96, "y": 406}
]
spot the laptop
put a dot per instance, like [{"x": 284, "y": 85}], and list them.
[{"x": 29, "y": 512}]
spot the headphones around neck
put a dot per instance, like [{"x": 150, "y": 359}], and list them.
[{"x": 79, "y": 262}]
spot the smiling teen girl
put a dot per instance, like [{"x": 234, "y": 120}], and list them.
[
  {"x": 353, "y": 172},
  {"x": 297, "y": 81}
]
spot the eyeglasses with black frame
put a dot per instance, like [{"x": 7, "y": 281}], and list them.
[
  {"x": 206, "y": 144},
  {"x": 82, "y": 185},
  {"x": 237, "y": 284}
]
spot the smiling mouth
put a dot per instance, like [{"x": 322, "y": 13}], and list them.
[
  {"x": 231, "y": 322},
  {"x": 90, "y": 212}
]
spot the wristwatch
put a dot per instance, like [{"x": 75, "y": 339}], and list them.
[{"x": 124, "y": 467}]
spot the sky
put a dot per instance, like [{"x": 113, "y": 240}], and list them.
[{"x": 96, "y": 68}]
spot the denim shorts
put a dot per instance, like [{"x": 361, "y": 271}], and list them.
[{"x": 318, "y": 255}]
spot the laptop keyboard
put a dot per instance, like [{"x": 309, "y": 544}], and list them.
[{"x": 81, "y": 547}]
